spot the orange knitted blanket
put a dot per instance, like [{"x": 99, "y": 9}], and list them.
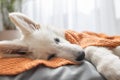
[
  {"x": 13, "y": 66},
  {"x": 86, "y": 38}
]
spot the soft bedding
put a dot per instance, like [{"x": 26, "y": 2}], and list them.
[{"x": 85, "y": 71}]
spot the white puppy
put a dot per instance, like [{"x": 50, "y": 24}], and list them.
[
  {"x": 39, "y": 42},
  {"x": 45, "y": 42}
]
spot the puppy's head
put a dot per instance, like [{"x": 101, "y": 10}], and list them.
[{"x": 45, "y": 42}]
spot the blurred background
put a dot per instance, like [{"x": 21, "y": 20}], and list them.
[{"x": 79, "y": 15}]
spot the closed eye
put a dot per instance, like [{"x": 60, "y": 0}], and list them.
[{"x": 51, "y": 56}]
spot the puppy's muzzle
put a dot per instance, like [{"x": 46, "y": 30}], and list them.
[{"x": 81, "y": 56}]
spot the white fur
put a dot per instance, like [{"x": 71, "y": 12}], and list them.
[
  {"x": 106, "y": 62},
  {"x": 40, "y": 41}
]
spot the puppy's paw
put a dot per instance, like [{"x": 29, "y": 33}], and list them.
[
  {"x": 110, "y": 71},
  {"x": 89, "y": 51},
  {"x": 117, "y": 51}
]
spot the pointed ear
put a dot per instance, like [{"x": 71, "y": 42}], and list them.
[{"x": 25, "y": 24}]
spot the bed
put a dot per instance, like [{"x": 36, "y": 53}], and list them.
[{"x": 84, "y": 71}]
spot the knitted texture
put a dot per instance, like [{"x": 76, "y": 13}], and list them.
[
  {"x": 85, "y": 39},
  {"x": 14, "y": 66}
]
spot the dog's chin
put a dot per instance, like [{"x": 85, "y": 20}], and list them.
[
  {"x": 76, "y": 62},
  {"x": 72, "y": 60},
  {"x": 79, "y": 62}
]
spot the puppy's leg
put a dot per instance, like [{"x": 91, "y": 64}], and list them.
[
  {"x": 116, "y": 51},
  {"x": 10, "y": 49},
  {"x": 105, "y": 61}
]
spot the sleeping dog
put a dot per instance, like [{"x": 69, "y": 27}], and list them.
[
  {"x": 45, "y": 42},
  {"x": 39, "y": 42}
]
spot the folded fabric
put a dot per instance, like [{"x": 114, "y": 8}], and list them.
[
  {"x": 86, "y": 38},
  {"x": 14, "y": 66}
]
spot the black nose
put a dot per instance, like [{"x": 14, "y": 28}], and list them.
[{"x": 81, "y": 56}]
